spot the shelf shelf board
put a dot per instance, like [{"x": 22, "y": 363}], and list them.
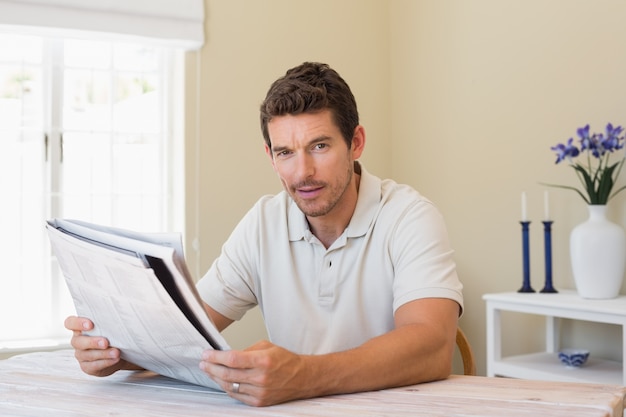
[
  {"x": 565, "y": 304},
  {"x": 547, "y": 367}
]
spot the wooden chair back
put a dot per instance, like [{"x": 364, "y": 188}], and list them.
[{"x": 467, "y": 355}]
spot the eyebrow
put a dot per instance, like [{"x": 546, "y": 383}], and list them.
[{"x": 319, "y": 139}]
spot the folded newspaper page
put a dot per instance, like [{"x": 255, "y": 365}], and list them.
[{"x": 138, "y": 292}]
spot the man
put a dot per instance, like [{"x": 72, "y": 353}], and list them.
[{"x": 354, "y": 275}]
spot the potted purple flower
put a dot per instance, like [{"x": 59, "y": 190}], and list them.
[
  {"x": 597, "y": 246},
  {"x": 596, "y": 174}
]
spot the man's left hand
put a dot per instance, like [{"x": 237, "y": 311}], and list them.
[{"x": 261, "y": 375}]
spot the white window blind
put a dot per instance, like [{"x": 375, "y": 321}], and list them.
[{"x": 175, "y": 23}]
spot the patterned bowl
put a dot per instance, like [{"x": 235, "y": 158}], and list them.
[{"x": 574, "y": 357}]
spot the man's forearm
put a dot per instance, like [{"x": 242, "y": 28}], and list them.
[{"x": 408, "y": 355}]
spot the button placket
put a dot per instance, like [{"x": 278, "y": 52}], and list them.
[{"x": 327, "y": 280}]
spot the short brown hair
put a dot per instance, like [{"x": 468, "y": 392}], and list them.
[{"x": 309, "y": 88}]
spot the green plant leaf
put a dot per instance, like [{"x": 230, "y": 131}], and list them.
[
  {"x": 588, "y": 182},
  {"x": 605, "y": 184},
  {"x": 568, "y": 188}
]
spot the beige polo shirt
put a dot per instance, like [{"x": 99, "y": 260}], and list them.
[{"x": 316, "y": 300}]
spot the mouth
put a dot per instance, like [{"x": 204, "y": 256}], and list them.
[{"x": 308, "y": 192}]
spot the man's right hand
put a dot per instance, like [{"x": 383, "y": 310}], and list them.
[{"x": 93, "y": 353}]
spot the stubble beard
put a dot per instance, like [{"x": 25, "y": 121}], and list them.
[{"x": 310, "y": 208}]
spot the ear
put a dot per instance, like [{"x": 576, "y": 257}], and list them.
[
  {"x": 268, "y": 151},
  {"x": 358, "y": 142}
]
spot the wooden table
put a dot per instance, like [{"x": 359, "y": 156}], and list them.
[{"x": 52, "y": 385}]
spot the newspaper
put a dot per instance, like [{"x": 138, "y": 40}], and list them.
[{"x": 138, "y": 292}]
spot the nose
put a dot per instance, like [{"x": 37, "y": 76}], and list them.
[{"x": 305, "y": 166}]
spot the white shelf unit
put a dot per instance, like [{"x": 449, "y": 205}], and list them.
[{"x": 545, "y": 365}]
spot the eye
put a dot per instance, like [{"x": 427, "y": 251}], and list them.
[
  {"x": 320, "y": 146},
  {"x": 282, "y": 154}
]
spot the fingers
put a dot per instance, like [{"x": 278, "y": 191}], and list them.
[
  {"x": 235, "y": 373},
  {"x": 219, "y": 365},
  {"x": 78, "y": 324},
  {"x": 93, "y": 353},
  {"x": 227, "y": 358},
  {"x": 80, "y": 341},
  {"x": 84, "y": 342},
  {"x": 95, "y": 356},
  {"x": 224, "y": 369},
  {"x": 231, "y": 381},
  {"x": 99, "y": 362}
]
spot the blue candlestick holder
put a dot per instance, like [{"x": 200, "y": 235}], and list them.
[
  {"x": 547, "y": 244},
  {"x": 525, "y": 258}
]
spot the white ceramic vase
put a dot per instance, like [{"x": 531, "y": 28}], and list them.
[{"x": 598, "y": 255}]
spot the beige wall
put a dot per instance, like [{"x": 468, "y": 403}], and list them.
[
  {"x": 481, "y": 90},
  {"x": 461, "y": 99}
]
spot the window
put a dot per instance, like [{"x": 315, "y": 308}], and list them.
[{"x": 87, "y": 131}]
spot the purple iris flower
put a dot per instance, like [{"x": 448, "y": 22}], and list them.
[
  {"x": 583, "y": 132},
  {"x": 565, "y": 151},
  {"x": 591, "y": 143},
  {"x": 612, "y": 141}
]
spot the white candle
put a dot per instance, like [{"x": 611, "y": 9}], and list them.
[
  {"x": 546, "y": 206},
  {"x": 524, "y": 215}
]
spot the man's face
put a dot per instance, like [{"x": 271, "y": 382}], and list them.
[{"x": 312, "y": 161}]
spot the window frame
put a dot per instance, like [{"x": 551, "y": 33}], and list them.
[{"x": 172, "y": 155}]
